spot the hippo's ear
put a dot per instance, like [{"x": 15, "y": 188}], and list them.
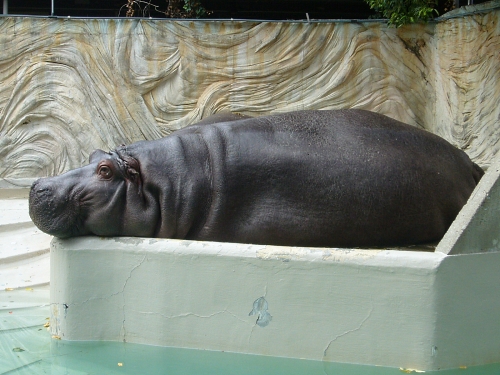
[{"x": 97, "y": 155}]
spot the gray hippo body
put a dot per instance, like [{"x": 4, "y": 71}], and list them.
[{"x": 347, "y": 178}]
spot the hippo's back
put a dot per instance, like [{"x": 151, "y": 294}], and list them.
[{"x": 331, "y": 178}]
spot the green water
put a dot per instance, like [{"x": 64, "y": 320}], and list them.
[{"x": 31, "y": 351}]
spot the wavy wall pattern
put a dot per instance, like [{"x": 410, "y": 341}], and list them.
[{"x": 69, "y": 86}]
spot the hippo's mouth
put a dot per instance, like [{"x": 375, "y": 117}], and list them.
[{"x": 54, "y": 213}]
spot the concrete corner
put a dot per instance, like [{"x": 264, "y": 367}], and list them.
[{"x": 477, "y": 227}]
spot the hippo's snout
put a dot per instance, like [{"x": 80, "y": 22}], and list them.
[{"x": 52, "y": 210}]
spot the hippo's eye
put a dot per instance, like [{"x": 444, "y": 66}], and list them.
[{"x": 105, "y": 171}]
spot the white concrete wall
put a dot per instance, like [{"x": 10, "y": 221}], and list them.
[{"x": 389, "y": 308}]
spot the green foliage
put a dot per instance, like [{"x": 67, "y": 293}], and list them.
[
  {"x": 194, "y": 9},
  {"x": 402, "y": 12},
  {"x": 174, "y": 8}
]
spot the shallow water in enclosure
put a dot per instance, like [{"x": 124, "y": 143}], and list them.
[{"x": 119, "y": 358}]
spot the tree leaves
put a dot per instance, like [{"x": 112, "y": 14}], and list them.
[{"x": 402, "y": 12}]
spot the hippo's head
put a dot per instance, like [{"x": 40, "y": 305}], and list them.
[{"x": 103, "y": 198}]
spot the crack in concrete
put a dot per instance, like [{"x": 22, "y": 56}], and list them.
[
  {"x": 349, "y": 331},
  {"x": 123, "y": 331},
  {"x": 67, "y": 306},
  {"x": 103, "y": 297},
  {"x": 188, "y": 314}
]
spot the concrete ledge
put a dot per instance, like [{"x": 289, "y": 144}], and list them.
[
  {"x": 378, "y": 307},
  {"x": 477, "y": 226}
]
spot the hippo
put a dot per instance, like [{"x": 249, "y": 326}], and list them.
[{"x": 316, "y": 178}]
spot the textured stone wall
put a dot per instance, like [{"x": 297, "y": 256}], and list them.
[{"x": 69, "y": 86}]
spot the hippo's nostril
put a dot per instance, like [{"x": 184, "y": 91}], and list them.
[{"x": 39, "y": 188}]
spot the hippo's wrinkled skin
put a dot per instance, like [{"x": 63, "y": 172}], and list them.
[{"x": 348, "y": 178}]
